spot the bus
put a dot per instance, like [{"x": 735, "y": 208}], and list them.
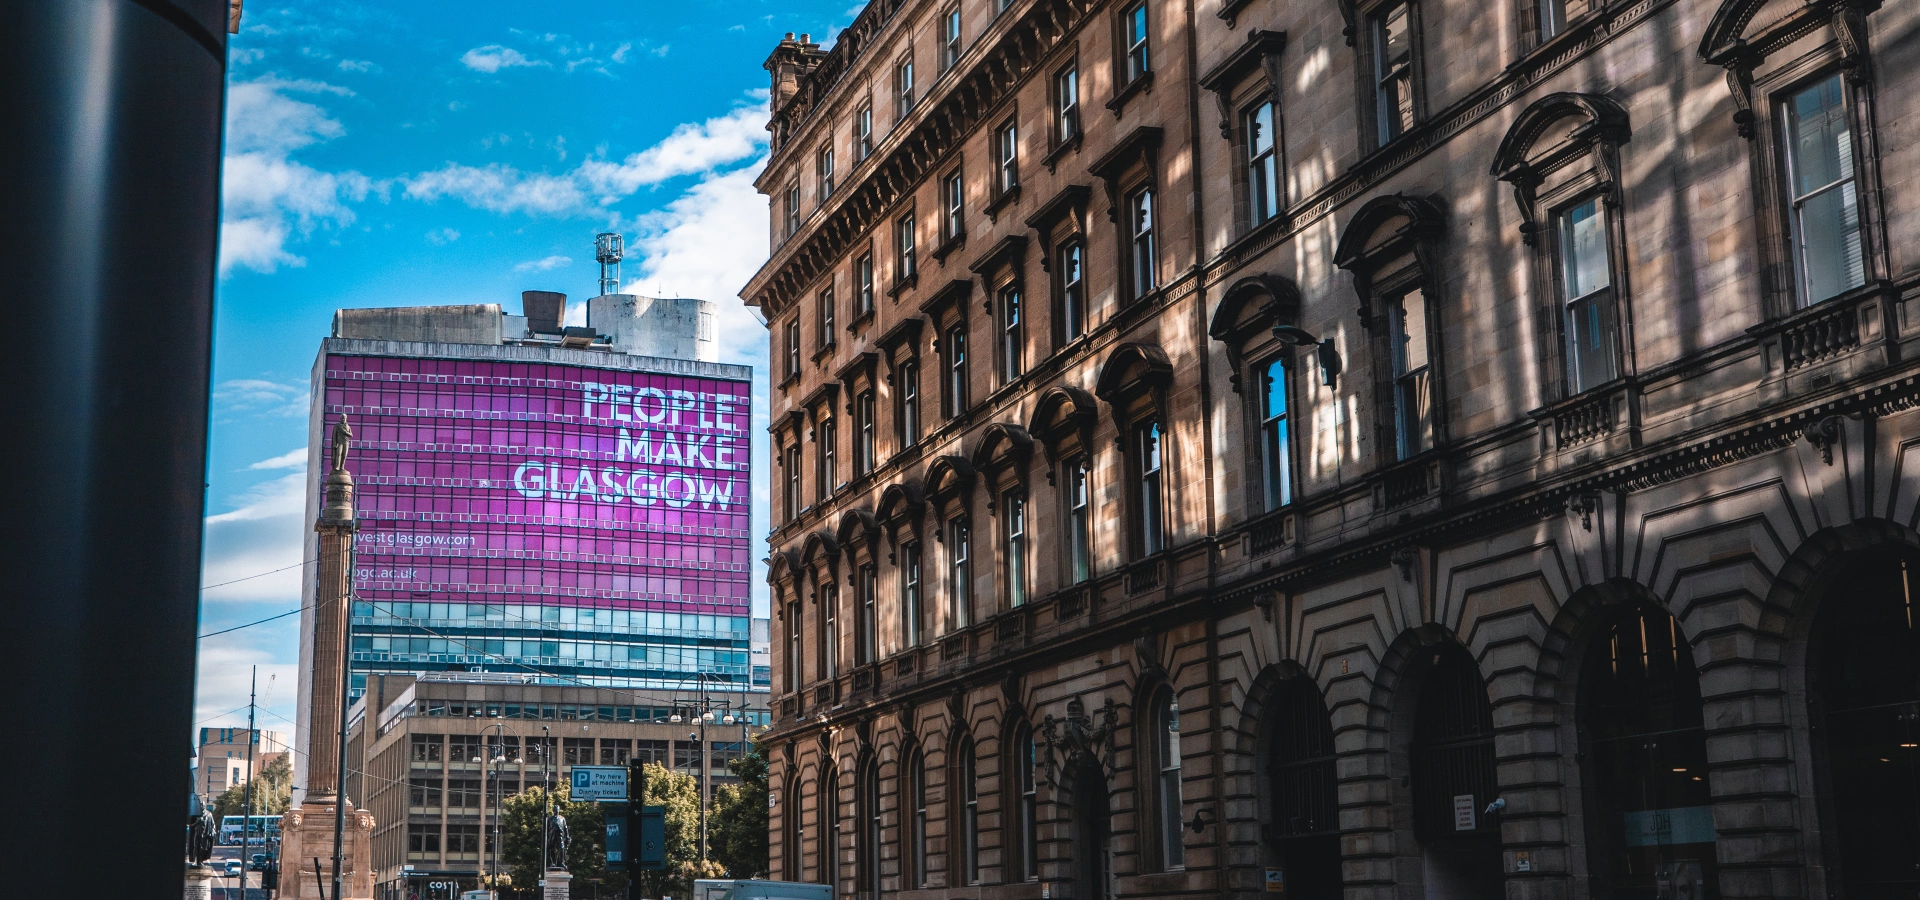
[{"x": 259, "y": 829}]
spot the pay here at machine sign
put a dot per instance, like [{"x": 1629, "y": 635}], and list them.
[{"x": 599, "y": 783}]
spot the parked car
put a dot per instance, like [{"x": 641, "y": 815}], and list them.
[{"x": 257, "y": 862}]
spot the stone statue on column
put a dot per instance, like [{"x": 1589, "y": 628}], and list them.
[{"x": 307, "y": 831}]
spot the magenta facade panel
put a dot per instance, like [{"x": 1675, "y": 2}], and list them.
[{"x": 586, "y": 520}]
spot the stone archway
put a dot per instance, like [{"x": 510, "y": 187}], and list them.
[{"x": 1090, "y": 823}]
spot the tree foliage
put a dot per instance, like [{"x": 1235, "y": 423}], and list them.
[
  {"x": 737, "y": 827},
  {"x": 523, "y": 822},
  {"x": 272, "y": 792}
]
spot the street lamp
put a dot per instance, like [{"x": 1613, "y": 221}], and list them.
[
  {"x": 1328, "y": 356},
  {"x": 497, "y": 756}
]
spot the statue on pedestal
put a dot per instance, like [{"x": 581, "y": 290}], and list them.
[
  {"x": 201, "y": 831},
  {"x": 558, "y": 840}
]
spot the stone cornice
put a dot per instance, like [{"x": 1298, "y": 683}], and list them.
[{"x": 936, "y": 128}]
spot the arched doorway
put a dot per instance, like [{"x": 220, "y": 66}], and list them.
[
  {"x": 1303, "y": 831},
  {"x": 1864, "y": 697},
  {"x": 1092, "y": 832},
  {"x": 1643, "y": 755},
  {"x": 1454, "y": 782}
]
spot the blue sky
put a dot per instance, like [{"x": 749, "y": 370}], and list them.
[{"x": 436, "y": 152}]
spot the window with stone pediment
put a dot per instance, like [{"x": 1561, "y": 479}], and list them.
[
  {"x": 1134, "y": 382},
  {"x": 1390, "y": 247}
]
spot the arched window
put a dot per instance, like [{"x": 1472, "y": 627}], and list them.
[
  {"x": 1453, "y": 780},
  {"x": 1163, "y": 746},
  {"x": 916, "y": 851},
  {"x": 790, "y": 831},
  {"x": 830, "y": 827},
  {"x": 1865, "y": 697},
  {"x": 966, "y": 810},
  {"x": 870, "y": 822},
  {"x": 1305, "y": 806},
  {"x": 1026, "y": 804},
  {"x": 1643, "y": 751}
]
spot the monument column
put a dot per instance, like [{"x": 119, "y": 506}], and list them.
[
  {"x": 332, "y": 600},
  {"x": 308, "y": 832}
]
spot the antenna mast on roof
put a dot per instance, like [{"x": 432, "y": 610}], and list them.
[{"x": 608, "y": 248}]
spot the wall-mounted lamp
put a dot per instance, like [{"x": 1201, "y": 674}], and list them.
[
  {"x": 1300, "y": 337},
  {"x": 1201, "y": 819}
]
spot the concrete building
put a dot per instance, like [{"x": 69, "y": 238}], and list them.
[
  {"x": 220, "y": 758},
  {"x": 445, "y": 749},
  {"x": 1372, "y": 449},
  {"x": 540, "y": 497}
]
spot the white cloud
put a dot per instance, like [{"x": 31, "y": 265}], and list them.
[
  {"x": 494, "y": 57},
  {"x": 440, "y": 237},
  {"x": 267, "y": 197},
  {"x": 292, "y": 459},
  {"x": 692, "y": 148},
  {"x": 498, "y": 188},
  {"x": 707, "y": 243},
  {"x": 689, "y": 149},
  {"x": 261, "y": 535},
  {"x": 256, "y": 395},
  {"x": 226, "y": 672},
  {"x": 544, "y": 265},
  {"x": 358, "y": 65}
]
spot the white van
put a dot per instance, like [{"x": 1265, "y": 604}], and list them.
[{"x": 754, "y": 889}]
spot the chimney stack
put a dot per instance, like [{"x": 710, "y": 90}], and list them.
[{"x": 544, "y": 310}]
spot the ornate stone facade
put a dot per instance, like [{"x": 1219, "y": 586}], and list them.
[{"x": 1391, "y": 448}]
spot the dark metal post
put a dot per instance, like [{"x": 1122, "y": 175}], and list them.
[
  {"x": 109, "y": 220},
  {"x": 246, "y": 810}
]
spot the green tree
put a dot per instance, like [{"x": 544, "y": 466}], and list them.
[
  {"x": 737, "y": 827},
  {"x": 523, "y": 827},
  {"x": 272, "y": 792}
]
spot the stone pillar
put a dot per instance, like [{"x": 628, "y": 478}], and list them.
[
  {"x": 558, "y": 885},
  {"x": 332, "y": 597},
  {"x": 199, "y": 883}
]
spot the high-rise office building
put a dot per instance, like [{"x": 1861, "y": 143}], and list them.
[{"x": 565, "y": 503}]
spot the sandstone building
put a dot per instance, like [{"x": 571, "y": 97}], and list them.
[{"x": 1365, "y": 448}]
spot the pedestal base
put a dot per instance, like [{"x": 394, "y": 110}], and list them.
[
  {"x": 559, "y": 885},
  {"x": 306, "y": 833},
  {"x": 199, "y": 883}
]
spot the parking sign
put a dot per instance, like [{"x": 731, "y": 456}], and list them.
[{"x": 605, "y": 783}]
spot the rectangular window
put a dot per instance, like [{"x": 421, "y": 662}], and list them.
[
  {"x": 793, "y": 210},
  {"x": 863, "y": 285},
  {"x": 1066, "y": 104},
  {"x": 793, "y": 651},
  {"x": 823, "y": 335},
  {"x": 1392, "y": 70},
  {"x": 867, "y": 640},
  {"x": 823, "y": 169},
  {"x": 917, "y": 827},
  {"x": 827, "y": 436},
  {"x": 1006, "y": 158},
  {"x": 1412, "y": 392},
  {"x": 791, "y": 499},
  {"x": 1822, "y": 190},
  {"x": 1029, "y": 815},
  {"x": 1134, "y": 28},
  {"x": 615, "y": 751},
  {"x": 969, "y": 817},
  {"x": 793, "y": 347},
  {"x": 424, "y": 792},
  {"x": 427, "y": 748},
  {"x": 1553, "y": 17},
  {"x": 953, "y": 222},
  {"x": 1263, "y": 162},
  {"x": 912, "y": 609},
  {"x": 903, "y": 89},
  {"x": 909, "y": 419},
  {"x": 903, "y": 241},
  {"x": 956, "y": 370},
  {"x": 1079, "y": 522},
  {"x": 1586, "y": 277},
  {"x": 1073, "y": 291},
  {"x": 463, "y": 838},
  {"x": 1016, "y": 548},
  {"x": 863, "y": 133},
  {"x": 864, "y": 437},
  {"x": 1012, "y": 343},
  {"x": 959, "y": 576},
  {"x": 423, "y": 838},
  {"x": 949, "y": 38},
  {"x": 1147, "y": 447},
  {"x": 1275, "y": 464},
  {"x": 830, "y": 630},
  {"x": 1140, "y": 243}
]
